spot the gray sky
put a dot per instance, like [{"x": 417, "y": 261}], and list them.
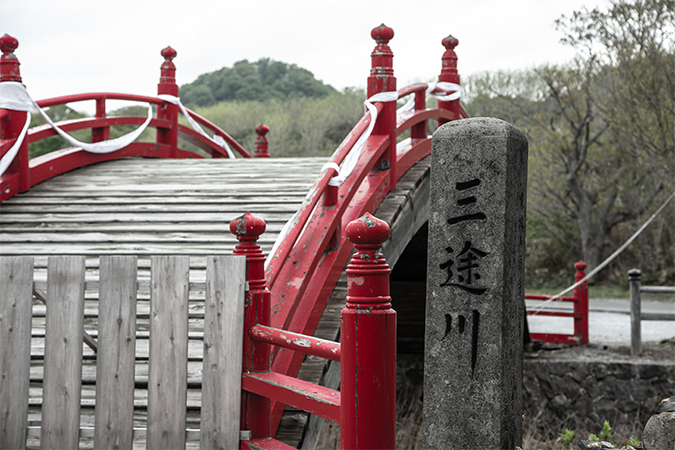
[{"x": 68, "y": 46}]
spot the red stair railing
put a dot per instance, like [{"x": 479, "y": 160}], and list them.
[
  {"x": 579, "y": 312},
  {"x": 366, "y": 406},
  {"x": 315, "y": 247}
]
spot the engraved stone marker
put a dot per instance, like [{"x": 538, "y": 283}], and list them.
[{"x": 474, "y": 317}]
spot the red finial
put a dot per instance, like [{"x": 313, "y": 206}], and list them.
[
  {"x": 262, "y": 130},
  {"x": 247, "y": 227},
  {"x": 9, "y": 64},
  {"x": 167, "y": 78},
  {"x": 382, "y": 34},
  {"x": 450, "y": 42},
  {"x": 368, "y": 230},
  {"x": 261, "y": 142}
]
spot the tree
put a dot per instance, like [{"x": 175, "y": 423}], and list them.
[{"x": 262, "y": 80}]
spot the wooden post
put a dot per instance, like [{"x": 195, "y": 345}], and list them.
[
  {"x": 261, "y": 142},
  {"x": 101, "y": 133},
  {"x": 368, "y": 343},
  {"x": 449, "y": 74},
  {"x": 167, "y": 86},
  {"x": 256, "y": 355},
  {"x": 15, "y": 179},
  {"x": 634, "y": 280},
  {"x": 382, "y": 79},
  {"x": 419, "y": 131},
  {"x": 581, "y": 305}
]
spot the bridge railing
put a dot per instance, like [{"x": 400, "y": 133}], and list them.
[
  {"x": 24, "y": 172},
  {"x": 365, "y": 406},
  {"x": 313, "y": 246},
  {"x": 579, "y": 313}
]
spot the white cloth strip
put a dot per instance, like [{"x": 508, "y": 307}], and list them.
[
  {"x": 331, "y": 165},
  {"x": 410, "y": 104},
  {"x": 108, "y": 146},
  {"x": 609, "y": 259},
  {"x": 14, "y": 96},
  {"x": 8, "y": 157},
  {"x": 455, "y": 89},
  {"x": 216, "y": 139},
  {"x": 352, "y": 158}
]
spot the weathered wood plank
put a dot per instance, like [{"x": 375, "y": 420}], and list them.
[
  {"x": 16, "y": 276},
  {"x": 116, "y": 353},
  {"x": 223, "y": 336},
  {"x": 63, "y": 352},
  {"x": 167, "y": 379}
]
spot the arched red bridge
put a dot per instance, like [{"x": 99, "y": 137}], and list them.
[{"x": 179, "y": 193}]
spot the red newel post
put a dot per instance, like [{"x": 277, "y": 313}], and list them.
[
  {"x": 261, "y": 142},
  {"x": 102, "y": 133},
  {"x": 449, "y": 74},
  {"x": 255, "y": 409},
  {"x": 15, "y": 177},
  {"x": 581, "y": 306},
  {"x": 382, "y": 79},
  {"x": 167, "y": 86},
  {"x": 368, "y": 343}
]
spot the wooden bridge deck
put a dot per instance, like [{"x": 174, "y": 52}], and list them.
[{"x": 150, "y": 207}]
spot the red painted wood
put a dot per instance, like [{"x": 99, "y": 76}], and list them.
[
  {"x": 581, "y": 306},
  {"x": 382, "y": 79},
  {"x": 579, "y": 313},
  {"x": 168, "y": 111},
  {"x": 100, "y": 134},
  {"x": 368, "y": 339},
  {"x": 307, "y": 396},
  {"x": 9, "y": 63},
  {"x": 296, "y": 341},
  {"x": 312, "y": 198},
  {"x": 256, "y": 355},
  {"x": 449, "y": 74},
  {"x": 261, "y": 142}
]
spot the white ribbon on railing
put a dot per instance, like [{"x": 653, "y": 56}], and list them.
[
  {"x": 352, "y": 158},
  {"x": 216, "y": 139},
  {"x": 13, "y": 95},
  {"x": 454, "y": 89}
]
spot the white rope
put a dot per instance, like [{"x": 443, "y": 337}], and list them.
[
  {"x": 608, "y": 260},
  {"x": 216, "y": 139},
  {"x": 13, "y": 95}
]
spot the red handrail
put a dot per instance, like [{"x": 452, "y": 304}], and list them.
[
  {"x": 579, "y": 312},
  {"x": 24, "y": 172}
]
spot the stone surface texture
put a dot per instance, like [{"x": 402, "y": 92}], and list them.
[
  {"x": 580, "y": 387},
  {"x": 659, "y": 432},
  {"x": 474, "y": 315}
]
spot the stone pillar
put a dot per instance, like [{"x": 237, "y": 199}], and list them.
[{"x": 474, "y": 318}]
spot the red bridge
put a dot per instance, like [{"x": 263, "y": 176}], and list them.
[{"x": 178, "y": 194}]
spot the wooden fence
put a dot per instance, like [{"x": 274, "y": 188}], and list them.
[{"x": 50, "y": 382}]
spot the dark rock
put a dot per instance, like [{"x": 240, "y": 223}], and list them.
[
  {"x": 653, "y": 371},
  {"x": 666, "y": 405}
]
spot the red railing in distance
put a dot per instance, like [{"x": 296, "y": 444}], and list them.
[
  {"x": 25, "y": 172},
  {"x": 579, "y": 313},
  {"x": 366, "y": 407}
]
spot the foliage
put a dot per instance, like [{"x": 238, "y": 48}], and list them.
[
  {"x": 57, "y": 113},
  {"x": 259, "y": 81},
  {"x": 567, "y": 438},
  {"x": 602, "y": 138},
  {"x": 605, "y": 434},
  {"x": 300, "y": 126}
]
